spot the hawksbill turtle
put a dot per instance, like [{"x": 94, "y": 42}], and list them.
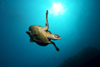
[{"x": 41, "y": 35}]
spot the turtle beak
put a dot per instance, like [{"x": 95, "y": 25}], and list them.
[{"x": 57, "y": 36}]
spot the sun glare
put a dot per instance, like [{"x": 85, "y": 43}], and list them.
[{"x": 57, "y": 8}]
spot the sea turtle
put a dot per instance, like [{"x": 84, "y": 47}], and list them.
[{"x": 41, "y": 35}]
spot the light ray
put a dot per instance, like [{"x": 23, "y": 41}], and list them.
[{"x": 57, "y": 9}]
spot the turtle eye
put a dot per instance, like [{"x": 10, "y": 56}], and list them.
[{"x": 56, "y": 36}]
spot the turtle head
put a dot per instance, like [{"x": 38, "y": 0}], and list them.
[{"x": 56, "y": 37}]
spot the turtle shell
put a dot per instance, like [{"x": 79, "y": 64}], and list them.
[{"x": 37, "y": 35}]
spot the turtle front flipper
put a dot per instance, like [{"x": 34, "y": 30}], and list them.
[
  {"x": 55, "y": 46},
  {"x": 46, "y": 26}
]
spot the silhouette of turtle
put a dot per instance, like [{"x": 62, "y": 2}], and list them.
[{"x": 41, "y": 35}]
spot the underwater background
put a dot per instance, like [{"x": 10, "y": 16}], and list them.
[{"x": 78, "y": 26}]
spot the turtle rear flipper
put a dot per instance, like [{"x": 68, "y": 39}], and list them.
[{"x": 31, "y": 40}]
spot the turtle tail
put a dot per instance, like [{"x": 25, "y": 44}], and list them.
[{"x": 28, "y": 32}]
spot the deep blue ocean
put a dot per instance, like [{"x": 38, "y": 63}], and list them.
[{"x": 78, "y": 26}]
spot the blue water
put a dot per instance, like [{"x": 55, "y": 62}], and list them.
[{"x": 78, "y": 27}]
